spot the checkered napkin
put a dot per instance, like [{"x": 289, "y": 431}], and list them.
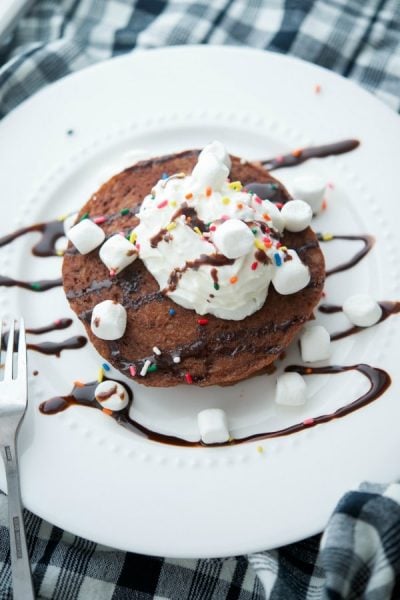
[{"x": 358, "y": 556}]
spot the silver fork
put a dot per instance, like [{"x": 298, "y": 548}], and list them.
[{"x": 13, "y": 402}]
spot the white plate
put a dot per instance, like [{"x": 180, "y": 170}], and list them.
[{"x": 83, "y": 472}]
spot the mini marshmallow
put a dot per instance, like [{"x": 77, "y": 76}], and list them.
[
  {"x": 233, "y": 238},
  {"x": 117, "y": 253},
  {"x": 292, "y": 276},
  {"x": 297, "y": 215},
  {"x": 362, "y": 310},
  {"x": 108, "y": 320},
  {"x": 213, "y": 426},
  {"x": 315, "y": 343},
  {"x": 209, "y": 171},
  {"x": 112, "y": 395},
  {"x": 86, "y": 236},
  {"x": 291, "y": 389},
  {"x": 310, "y": 189}
]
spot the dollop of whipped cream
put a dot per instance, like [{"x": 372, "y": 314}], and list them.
[{"x": 186, "y": 239}]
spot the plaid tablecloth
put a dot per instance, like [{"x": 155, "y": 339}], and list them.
[{"x": 358, "y": 555}]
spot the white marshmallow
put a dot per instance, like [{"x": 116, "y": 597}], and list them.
[
  {"x": 213, "y": 426},
  {"x": 362, "y": 310},
  {"x": 219, "y": 151},
  {"x": 108, "y": 320},
  {"x": 117, "y": 253},
  {"x": 86, "y": 236},
  {"x": 233, "y": 238},
  {"x": 297, "y": 215},
  {"x": 209, "y": 171},
  {"x": 291, "y": 389},
  {"x": 111, "y": 395},
  {"x": 310, "y": 189},
  {"x": 292, "y": 276},
  {"x": 315, "y": 343}
]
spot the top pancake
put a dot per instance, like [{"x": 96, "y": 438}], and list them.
[{"x": 222, "y": 352}]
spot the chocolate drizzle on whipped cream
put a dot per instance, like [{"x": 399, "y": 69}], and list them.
[
  {"x": 302, "y": 154},
  {"x": 83, "y": 395},
  {"x": 214, "y": 260}
]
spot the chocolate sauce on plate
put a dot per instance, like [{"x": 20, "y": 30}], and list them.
[
  {"x": 368, "y": 242},
  {"x": 299, "y": 156},
  {"x": 83, "y": 395},
  {"x": 388, "y": 308},
  {"x": 50, "y": 232}
]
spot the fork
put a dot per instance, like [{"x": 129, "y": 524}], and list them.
[{"x": 13, "y": 402}]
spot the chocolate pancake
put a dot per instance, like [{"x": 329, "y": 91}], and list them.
[{"x": 220, "y": 352}]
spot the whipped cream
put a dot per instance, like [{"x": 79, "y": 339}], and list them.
[{"x": 185, "y": 231}]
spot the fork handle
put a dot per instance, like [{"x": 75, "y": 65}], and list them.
[{"x": 20, "y": 564}]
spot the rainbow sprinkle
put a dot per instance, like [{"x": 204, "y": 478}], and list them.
[
  {"x": 162, "y": 204},
  {"x": 156, "y": 350},
  {"x": 145, "y": 368},
  {"x": 189, "y": 378},
  {"x": 172, "y": 312},
  {"x": 197, "y": 230},
  {"x": 36, "y": 286},
  {"x": 133, "y": 237},
  {"x": 216, "y": 286},
  {"x": 327, "y": 237},
  {"x": 106, "y": 367},
  {"x": 278, "y": 259},
  {"x": 226, "y": 200},
  {"x": 152, "y": 368},
  {"x": 202, "y": 321},
  {"x": 99, "y": 220},
  {"x": 254, "y": 266},
  {"x": 132, "y": 370},
  {"x": 189, "y": 196},
  {"x": 177, "y": 359},
  {"x": 309, "y": 421},
  {"x": 84, "y": 216},
  {"x": 124, "y": 211},
  {"x": 170, "y": 226},
  {"x": 259, "y": 245},
  {"x": 233, "y": 279},
  {"x": 100, "y": 375},
  {"x": 236, "y": 186},
  {"x": 208, "y": 191}
]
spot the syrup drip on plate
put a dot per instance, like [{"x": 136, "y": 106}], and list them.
[
  {"x": 50, "y": 348},
  {"x": 50, "y": 232},
  {"x": 367, "y": 240},
  {"x": 83, "y": 395},
  {"x": 388, "y": 308},
  {"x": 302, "y": 154}
]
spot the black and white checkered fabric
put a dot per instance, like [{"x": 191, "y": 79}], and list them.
[{"x": 358, "y": 556}]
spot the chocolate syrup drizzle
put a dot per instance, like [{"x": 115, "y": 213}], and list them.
[
  {"x": 85, "y": 396},
  {"x": 368, "y": 242},
  {"x": 388, "y": 308},
  {"x": 214, "y": 260},
  {"x": 49, "y": 348},
  {"x": 50, "y": 232},
  {"x": 299, "y": 156}
]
